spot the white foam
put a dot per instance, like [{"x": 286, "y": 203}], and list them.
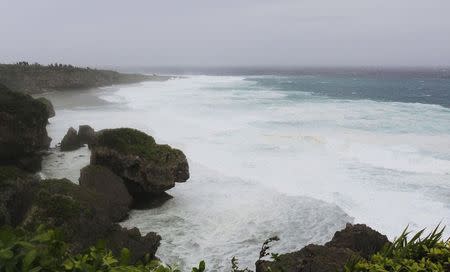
[{"x": 386, "y": 164}]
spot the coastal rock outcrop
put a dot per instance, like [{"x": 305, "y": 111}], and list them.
[
  {"x": 104, "y": 182},
  {"x": 48, "y": 105},
  {"x": 86, "y": 134},
  {"x": 70, "y": 141},
  {"x": 84, "y": 217},
  {"x": 312, "y": 258},
  {"x": 23, "y": 133},
  {"x": 132, "y": 239},
  {"x": 359, "y": 238},
  {"x": 353, "y": 241},
  {"x": 145, "y": 166}
]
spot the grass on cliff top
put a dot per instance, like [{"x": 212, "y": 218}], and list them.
[{"x": 134, "y": 142}]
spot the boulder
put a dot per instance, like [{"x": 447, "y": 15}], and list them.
[
  {"x": 312, "y": 258},
  {"x": 86, "y": 134},
  {"x": 48, "y": 106},
  {"x": 145, "y": 166},
  {"x": 83, "y": 217},
  {"x": 132, "y": 239},
  {"x": 65, "y": 205},
  {"x": 359, "y": 238},
  {"x": 355, "y": 241},
  {"x": 104, "y": 182},
  {"x": 23, "y": 133},
  {"x": 70, "y": 141}
]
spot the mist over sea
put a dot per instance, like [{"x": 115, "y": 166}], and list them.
[{"x": 291, "y": 154}]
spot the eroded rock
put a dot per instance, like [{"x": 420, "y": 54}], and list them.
[
  {"x": 111, "y": 187},
  {"x": 23, "y": 133},
  {"x": 359, "y": 238},
  {"x": 312, "y": 258},
  {"x": 355, "y": 241},
  {"x": 145, "y": 167},
  {"x": 71, "y": 141},
  {"x": 86, "y": 134},
  {"x": 48, "y": 105}
]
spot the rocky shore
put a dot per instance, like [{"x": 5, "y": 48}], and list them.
[
  {"x": 90, "y": 211},
  {"x": 127, "y": 167},
  {"x": 36, "y": 78}
]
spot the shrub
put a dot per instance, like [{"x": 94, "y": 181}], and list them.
[
  {"x": 420, "y": 253},
  {"x": 45, "y": 250}
]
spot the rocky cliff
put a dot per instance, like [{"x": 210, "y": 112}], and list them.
[{"x": 23, "y": 133}]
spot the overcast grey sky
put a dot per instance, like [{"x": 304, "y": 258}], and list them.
[{"x": 227, "y": 32}]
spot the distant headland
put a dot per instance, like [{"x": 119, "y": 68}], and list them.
[{"x": 37, "y": 78}]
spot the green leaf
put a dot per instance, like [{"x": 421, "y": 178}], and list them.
[
  {"x": 6, "y": 254},
  {"x": 36, "y": 269},
  {"x": 202, "y": 266},
  {"x": 68, "y": 264},
  {"x": 25, "y": 245},
  {"x": 28, "y": 260},
  {"x": 43, "y": 237},
  {"x": 125, "y": 256}
]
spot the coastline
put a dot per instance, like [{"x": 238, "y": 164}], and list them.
[{"x": 186, "y": 210}]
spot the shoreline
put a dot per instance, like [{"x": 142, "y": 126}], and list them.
[{"x": 203, "y": 184}]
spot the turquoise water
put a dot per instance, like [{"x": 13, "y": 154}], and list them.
[{"x": 394, "y": 88}]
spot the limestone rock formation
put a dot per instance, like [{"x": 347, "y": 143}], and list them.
[
  {"x": 84, "y": 218},
  {"x": 48, "y": 105},
  {"x": 145, "y": 166},
  {"x": 23, "y": 133},
  {"x": 86, "y": 134},
  {"x": 353, "y": 241},
  {"x": 104, "y": 182},
  {"x": 132, "y": 239},
  {"x": 312, "y": 258},
  {"x": 359, "y": 238},
  {"x": 71, "y": 141}
]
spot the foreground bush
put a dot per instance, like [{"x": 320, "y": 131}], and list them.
[
  {"x": 420, "y": 253},
  {"x": 45, "y": 250}
]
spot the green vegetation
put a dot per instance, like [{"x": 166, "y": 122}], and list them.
[
  {"x": 24, "y": 107},
  {"x": 8, "y": 174},
  {"x": 45, "y": 250},
  {"x": 134, "y": 142},
  {"x": 420, "y": 253}
]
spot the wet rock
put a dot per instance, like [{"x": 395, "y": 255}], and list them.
[
  {"x": 111, "y": 187},
  {"x": 139, "y": 245},
  {"x": 145, "y": 167},
  {"x": 48, "y": 105},
  {"x": 81, "y": 214},
  {"x": 353, "y": 241},
  {"x": 359, "y": 238},
  {"x": 64, "y": 205},
  {"x": 70, "y": 141},
  {"x": 23, "y": 133},
  {"x": 312, "y": 258},
  {"x": 86, "y": 134}
]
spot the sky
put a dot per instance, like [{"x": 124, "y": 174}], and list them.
[{"x": 227, "y": 33}]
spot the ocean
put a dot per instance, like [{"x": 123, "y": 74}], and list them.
[{"x": 287, "y": 154}]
